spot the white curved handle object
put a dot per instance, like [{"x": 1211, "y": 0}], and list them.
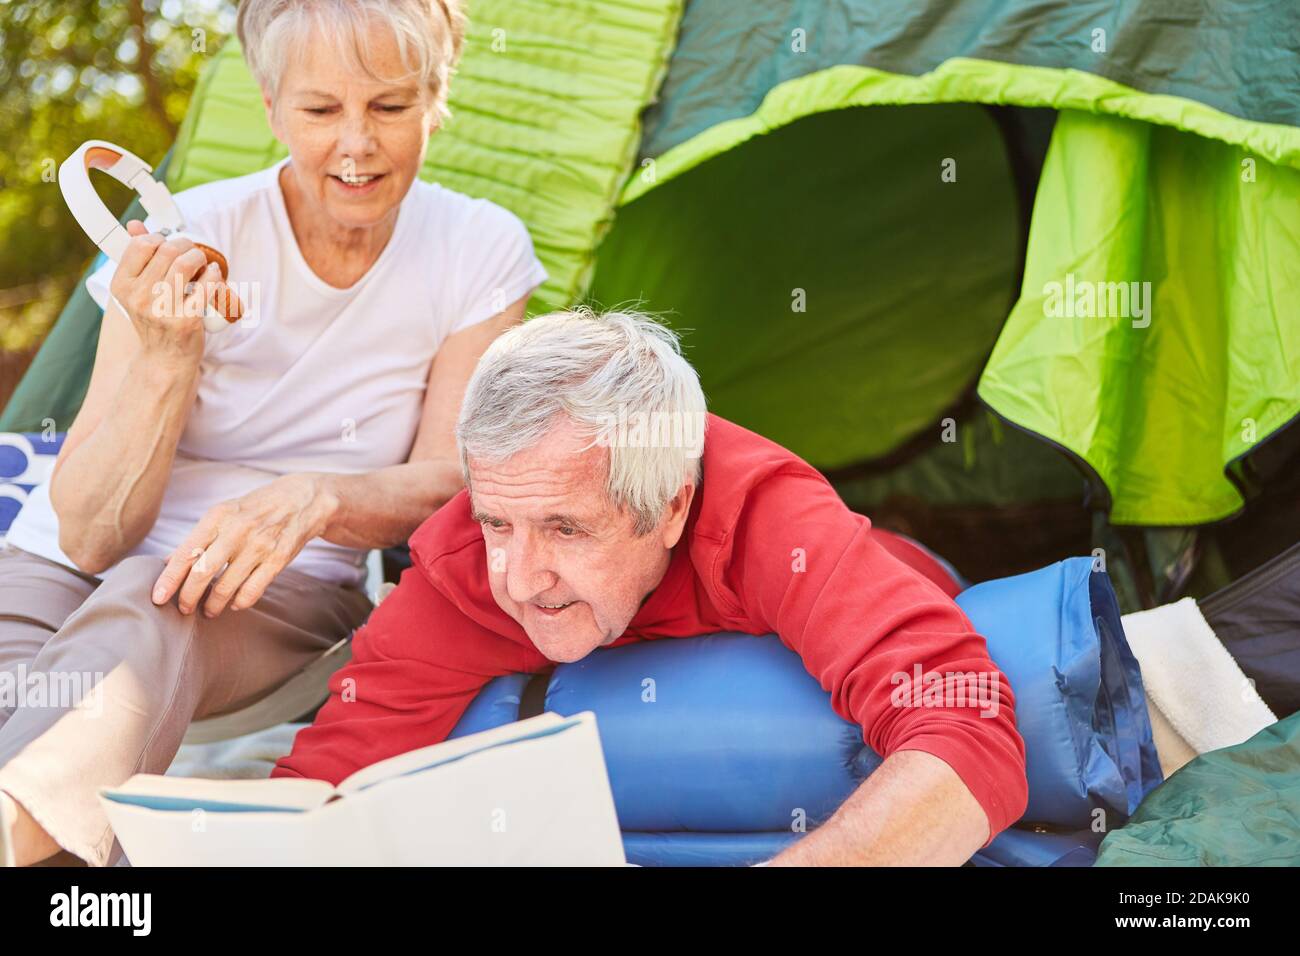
[{"x": 101, "y": 225}]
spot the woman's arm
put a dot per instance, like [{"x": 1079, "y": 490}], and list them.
[
  {"x": 383, "y": 508},
  {"x": 259, "y": 534},
  {"x": 109, "y": 478}
]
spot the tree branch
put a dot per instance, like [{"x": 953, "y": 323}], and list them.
[{"x": 152, "y": 90}]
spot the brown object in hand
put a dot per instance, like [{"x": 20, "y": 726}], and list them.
[
  {"x": 228, "y": 303},
  {"x": 214, "y": 256}
]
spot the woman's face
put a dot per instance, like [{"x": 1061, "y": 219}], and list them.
[{"x": 356, "y": 144}]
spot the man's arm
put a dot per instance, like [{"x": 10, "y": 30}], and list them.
[
  {"x": 912, "y": 811},
  {"x": 416, "y": 666},
  {"x": 865, "y": 624}
]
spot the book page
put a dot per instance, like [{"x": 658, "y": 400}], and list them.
[
  {"x": 336, "y": 834},
  {"x": 187, "y": 793},
  {"x": 448, "y": 750},
  {"x": 530, "y": 793},
  {"x": 540, "y": 800}
]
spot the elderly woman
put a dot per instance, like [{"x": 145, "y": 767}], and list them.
[{"x": 203, "y": 535}]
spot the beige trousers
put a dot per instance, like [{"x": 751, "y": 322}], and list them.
[{"x": 98, "y": 683}]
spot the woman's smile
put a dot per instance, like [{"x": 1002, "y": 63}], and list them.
[{"x": 356, "y": 184}]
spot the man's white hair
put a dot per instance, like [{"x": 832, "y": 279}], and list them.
[
  {"x": 608, "y": 374},
  {"x": 429, "y": 34}
]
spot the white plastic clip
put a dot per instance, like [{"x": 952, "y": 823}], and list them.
[{"x": 99, "y": 223}]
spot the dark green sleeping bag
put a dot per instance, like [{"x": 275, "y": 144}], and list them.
[{"x": 1239, "y": 806}]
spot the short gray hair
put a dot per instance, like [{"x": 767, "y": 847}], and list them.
[
  {"x": 604, "y": 373},
  {"x": 429, "y": 32}
]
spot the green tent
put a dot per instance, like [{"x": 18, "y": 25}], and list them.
[{"x": 1020, "y": 277}]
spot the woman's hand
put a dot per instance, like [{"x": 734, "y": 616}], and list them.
[
  {"x": 253, "y": 538},
  {"x": 165, "y": 286}
]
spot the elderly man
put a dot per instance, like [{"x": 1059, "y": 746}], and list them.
[{"x": 576, "y": 532}]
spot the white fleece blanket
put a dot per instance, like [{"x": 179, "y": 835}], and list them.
[
  {"x": 1198, "y": 697},
  {"x": 253, "y": 755},
  {"x": 249, "y": 757}
]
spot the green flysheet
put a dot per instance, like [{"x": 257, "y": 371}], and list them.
[
  {"x": 840, "y": 309},
  {"x": 1157, "y": 334},
  {"x": 1163, "y": 169}
]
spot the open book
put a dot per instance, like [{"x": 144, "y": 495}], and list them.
[{"x": 529, "y": 793}]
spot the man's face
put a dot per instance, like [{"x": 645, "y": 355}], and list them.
[{"x": 562, "y": 560}]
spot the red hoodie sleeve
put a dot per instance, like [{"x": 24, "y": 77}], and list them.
[
  {"x": 806, "y": 567},
  {"x": 416, "y": 666}
]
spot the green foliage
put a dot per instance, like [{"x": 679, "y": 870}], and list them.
[{"x": 73, "y": 70}]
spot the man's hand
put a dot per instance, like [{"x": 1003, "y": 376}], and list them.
[
  {"x": 252, "y": 538},
  {"x": 912, "y": 811}
]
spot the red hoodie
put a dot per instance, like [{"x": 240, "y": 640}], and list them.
[{"x": 769, "y": 547}]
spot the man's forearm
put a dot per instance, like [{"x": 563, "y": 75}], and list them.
[
  {"x": 913, "y": 810},
  {"x": 383, "y": 508},
  {"x": 107, "y": 491}
]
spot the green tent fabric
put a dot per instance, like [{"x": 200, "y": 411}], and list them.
[
  {"x": 1165, "y": 112},
  {"x": 837, "y": 299},
  {"x": 1159, "y": 399},
  {"x": 1238, "y": 57},
  {"x": 1158, "y": 420},
  {"x": 988, "y": 483},
  {"x": 1239, "y": 806}
]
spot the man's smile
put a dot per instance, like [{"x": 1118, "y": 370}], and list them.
[{"x": 551, "y": 610}]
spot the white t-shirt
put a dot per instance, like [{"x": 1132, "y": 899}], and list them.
[{"x": 316, "y": 378}]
